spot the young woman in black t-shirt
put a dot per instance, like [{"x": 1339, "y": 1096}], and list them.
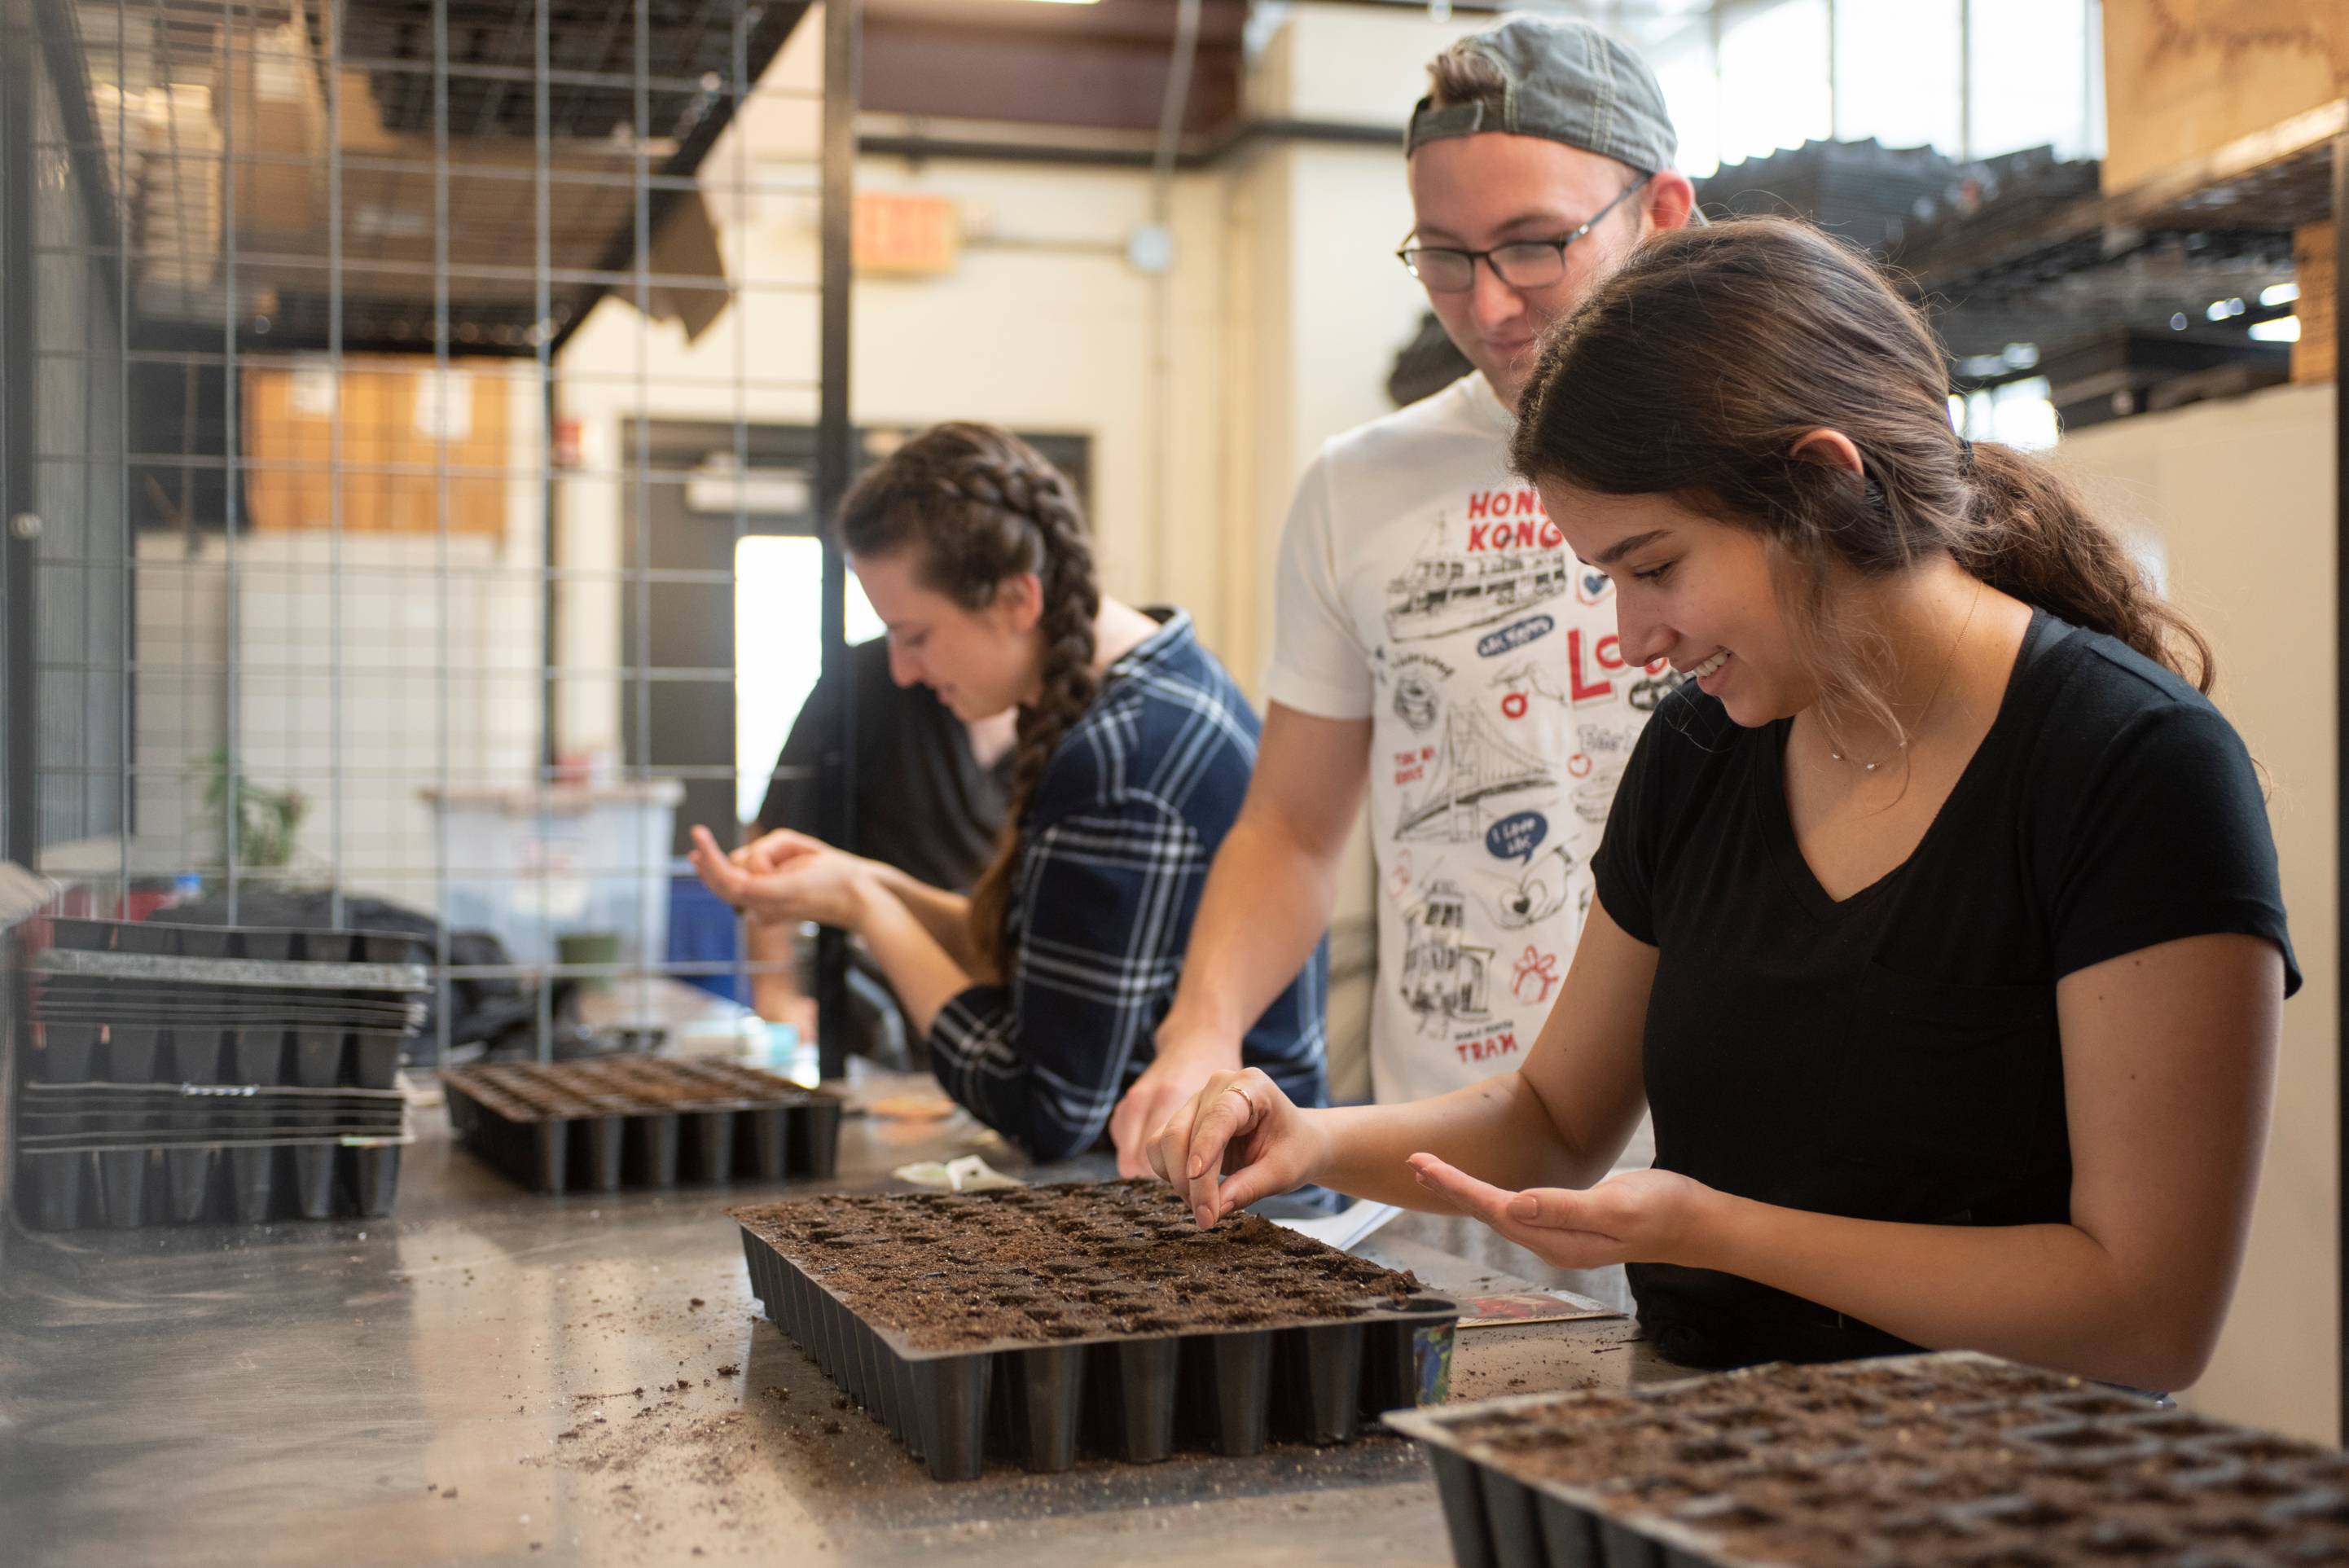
[{"x": 1937, "y": 918}]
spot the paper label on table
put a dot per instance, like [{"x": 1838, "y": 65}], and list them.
[
  {"x": 969, "y": 1174},
  {"x": 1530, "y": 1307},
  {"x": 1345, "y": 1228}
]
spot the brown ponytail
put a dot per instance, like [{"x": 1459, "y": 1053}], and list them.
[
  {"x": 2039, "y": 542},
  {"x": 1699, "y": 365},
  {"x": 979, "y": 505}
]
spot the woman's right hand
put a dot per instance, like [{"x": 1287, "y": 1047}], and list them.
[
  {"x": 771, "y": 851},
  {"x": 1239, "y": 1139}
]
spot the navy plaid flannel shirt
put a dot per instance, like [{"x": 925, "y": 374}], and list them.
[{"x": 1119, "y": 836}]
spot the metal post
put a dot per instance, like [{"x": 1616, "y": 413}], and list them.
[
  {"x": 19, "y": 804},
  {"x": 2341, "y": 744},
  {"x": 835, "y": 460},
  {"x": 1965, "y": 81}
]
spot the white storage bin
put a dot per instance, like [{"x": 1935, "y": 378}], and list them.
[{"x": 535, "y": 865}]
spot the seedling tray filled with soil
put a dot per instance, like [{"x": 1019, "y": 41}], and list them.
[
  {"x": 641, "y": 1121},
  {"x": 170, "y": 938},
  {"x": 151, "y": 967},
  {"x": 1954, "y": 1458},
  {"x": 1033, "y": 1325},
  {"x": 67, "y": 1183}
]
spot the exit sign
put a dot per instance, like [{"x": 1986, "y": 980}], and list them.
[{"x": 903, "y": 236}]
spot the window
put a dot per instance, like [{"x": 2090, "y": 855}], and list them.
[
  {"x": 2015, "y": 413},
  {"x": 778, "y": 648},
  {"x": 2031, "y": 78},
  {"x": 1899, "y": 73},
  {"x": 1774, "y": 79},
  {"x": 1685, "y": 69}
]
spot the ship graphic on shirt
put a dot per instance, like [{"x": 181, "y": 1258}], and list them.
[
  {"x": 1446, "y": 590},
  {"x": 1473, "y": 768}
]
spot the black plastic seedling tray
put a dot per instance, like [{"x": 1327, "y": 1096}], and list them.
[
  {"x": 70, "y": 1188},
  {"x": 1951, "y": 1458},
  {"x": 140, "y": 1111},
  {"x": 641, "y": 1121},
  {"x": 271, "y": 1056},
  {"x": 1098, "y": 1367},
  {"x": 170, "y": 939}
]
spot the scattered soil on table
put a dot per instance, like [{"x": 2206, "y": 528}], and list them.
[
  {"x": 1980, "y": 1463},
  {"x": 1040, "y": 1264},
  {"x": 707, "y": 1448}
]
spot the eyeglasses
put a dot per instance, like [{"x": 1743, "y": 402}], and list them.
[{"x": 1525, "y": 264}]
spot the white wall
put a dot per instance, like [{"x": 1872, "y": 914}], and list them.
[
  {"x": 2240, "y": 493},
  {"x": 366, "y": 668}
]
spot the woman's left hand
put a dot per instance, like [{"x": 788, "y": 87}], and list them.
[
  {"x": 1638, "y": 1217},
  {"x": 819, "y": 883}
]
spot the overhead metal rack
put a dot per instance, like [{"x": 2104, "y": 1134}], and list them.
[{"x": 2097, "y": 262}]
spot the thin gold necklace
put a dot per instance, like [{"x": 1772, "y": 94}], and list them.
[{"x": 1926, "y": 712}]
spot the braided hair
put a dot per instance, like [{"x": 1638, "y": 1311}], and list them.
[{"x": 979, "y": 505}]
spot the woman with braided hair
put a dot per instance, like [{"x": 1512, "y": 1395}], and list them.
[{"x": 1039, "y": 993}]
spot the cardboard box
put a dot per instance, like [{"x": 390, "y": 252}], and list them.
[
  {"x": 2185, "y": 77},
  {"x": 396, "y": 413},
  {"x": 273, "y": 118},
  {"x": 2317, "y": 357}
]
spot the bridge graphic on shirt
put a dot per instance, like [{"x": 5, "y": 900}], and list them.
[{"x": 1472, "y": 766}]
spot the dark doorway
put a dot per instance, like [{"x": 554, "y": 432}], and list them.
[{"x": 698, "y": 487}]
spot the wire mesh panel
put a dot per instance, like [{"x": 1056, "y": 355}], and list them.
[{"x": 350, "y": 329}]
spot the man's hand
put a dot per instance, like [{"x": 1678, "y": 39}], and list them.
[{"x": 1181, "y": 1068}]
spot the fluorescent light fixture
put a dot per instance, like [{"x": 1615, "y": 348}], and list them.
[
  {"x": 2283, "y": 329},
  {"x": 2279, "y": 293},
  {"x": 2217, "y": 311}
]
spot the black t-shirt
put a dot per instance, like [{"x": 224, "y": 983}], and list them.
[
  {"x": 923, "y": 805},
  {"x": 1895, "y": 1056}
]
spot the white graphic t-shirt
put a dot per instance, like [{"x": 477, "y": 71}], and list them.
[{"x": 1421, "y": 586}]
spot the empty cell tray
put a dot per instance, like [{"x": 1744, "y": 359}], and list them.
[
  {"x": 1099, "y": 1350},
  {"x": 244, "y": 1110},
  {"x": 69, "y": 1188},
  {"x": 641, "y": 1121},
  {"x": 1954, "y": 1457}
]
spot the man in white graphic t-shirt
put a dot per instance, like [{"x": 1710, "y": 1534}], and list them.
[{"x": 1434, "y": 641}]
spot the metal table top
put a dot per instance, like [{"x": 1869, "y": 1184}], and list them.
[{"x": 492, "y": 1377}]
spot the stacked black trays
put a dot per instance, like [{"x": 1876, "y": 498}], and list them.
[
  {"x": 1041, "y": 1397},
  {"x": 1950, "y": 1458},
  {"x": 641, "y": 1121},
  {"x": 192, "y": 1074}
]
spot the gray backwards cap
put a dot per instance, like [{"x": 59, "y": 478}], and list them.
[{"x": 1565, "y": 81}]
